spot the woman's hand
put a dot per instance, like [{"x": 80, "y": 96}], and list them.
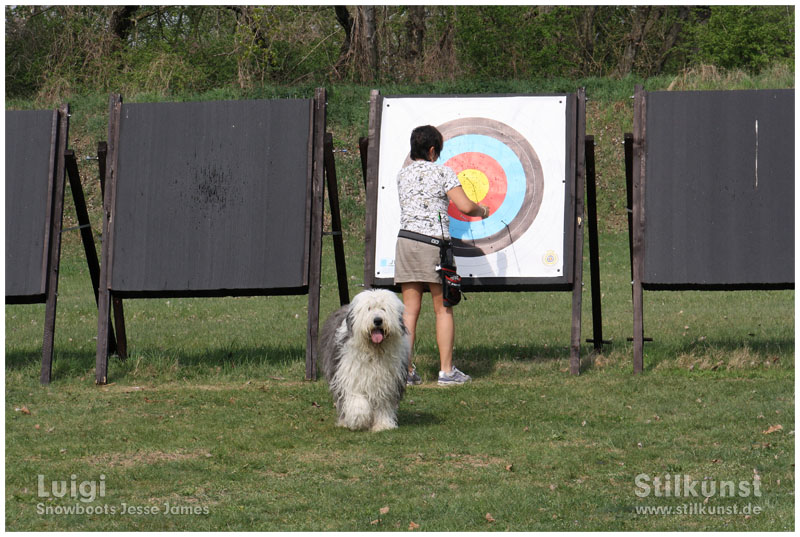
[{"x": 466, "y": 205}]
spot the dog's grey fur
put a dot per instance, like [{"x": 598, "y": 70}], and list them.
[{"x": 366, "y": 372}]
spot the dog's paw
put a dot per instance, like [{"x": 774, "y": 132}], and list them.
[
  {"x": 356, "y": 413},
  {"x": 383, "y": 423}
]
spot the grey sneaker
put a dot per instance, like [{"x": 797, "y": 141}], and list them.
[
  {"x": 413, "y": 377},
  {"x": 454, "y": 377}
]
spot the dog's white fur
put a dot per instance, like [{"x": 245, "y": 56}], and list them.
[{"x": 366, "y": 372}]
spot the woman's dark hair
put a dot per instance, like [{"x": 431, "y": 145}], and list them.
[{"x": 422, "y": 139}]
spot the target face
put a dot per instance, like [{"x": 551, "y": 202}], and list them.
[
  {"x": 509, "y": 153},
  {"x": 497, "y": 167}
]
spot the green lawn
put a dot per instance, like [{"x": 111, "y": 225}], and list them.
[{"x": 210, "y": 420}]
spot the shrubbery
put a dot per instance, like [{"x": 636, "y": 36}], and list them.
[{"x": 55, "y": 51}]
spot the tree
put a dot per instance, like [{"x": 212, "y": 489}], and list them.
[
  {"x": 359, "y": 50},
  {"x": 121, "y": 21},
  {"x": 415, "y": 32},
  {"x": 654, "y": 32}
]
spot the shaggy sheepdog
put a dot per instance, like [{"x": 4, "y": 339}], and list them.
[{"x": 365, "y": 349}]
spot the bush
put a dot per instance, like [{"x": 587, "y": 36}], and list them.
[
  {"x": 55, "y": 51},
  {"x": 745, "y": 37}
]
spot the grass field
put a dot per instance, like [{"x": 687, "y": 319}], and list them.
[{"x": 209, "y": 426}]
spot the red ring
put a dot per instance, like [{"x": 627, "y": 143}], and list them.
[{"x": 498, "y": 185}]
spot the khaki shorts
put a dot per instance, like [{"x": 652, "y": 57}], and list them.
[{"x": 415, "y": 261}]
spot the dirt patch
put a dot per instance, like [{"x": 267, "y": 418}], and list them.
[
  {"x": 738, "y": 359},
  {"x": 459, "y": 460},
  {"x": 474, "y": 461},
  {"x": 139, "y": 458}
]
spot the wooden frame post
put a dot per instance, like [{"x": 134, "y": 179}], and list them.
[
  {"x": 638, "y": 222},
  {"x": 371, "y": 184},
  {"x": 628, "y": 142},
  {"x": 104, "y": 289},
  {"x": 120, "y": 346},
  {"x": 317, "y": 204},
  {"x": 577, "y": 278},
  {"x": 54, "y": 245}
]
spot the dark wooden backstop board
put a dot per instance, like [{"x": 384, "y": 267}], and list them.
[
  {"x": 212, "y": 198},
  {"x": 719, "y": 191},
  {"x": 29, "y": 169}
]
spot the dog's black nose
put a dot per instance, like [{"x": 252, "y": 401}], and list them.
[{"x": 377, "y": 321}]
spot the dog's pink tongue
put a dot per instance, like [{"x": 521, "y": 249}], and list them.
[{"x": 377, "y": 336}]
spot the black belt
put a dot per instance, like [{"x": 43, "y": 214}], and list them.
[{"x": 404, "y": 233}]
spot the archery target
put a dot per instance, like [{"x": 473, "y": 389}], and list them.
[
  {"x": 497, "y": 167},
  {"x": 509, "y": 153}
]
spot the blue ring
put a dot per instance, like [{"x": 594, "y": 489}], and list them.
[{"x": 515, "y": 184}]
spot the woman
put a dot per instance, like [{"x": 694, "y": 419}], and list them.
[{"x": 425, "y": 190}]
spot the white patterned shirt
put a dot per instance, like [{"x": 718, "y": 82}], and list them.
[{"x": 422, "y": 187}]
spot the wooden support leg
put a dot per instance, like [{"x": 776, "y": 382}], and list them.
[
  {"x": 363, "y": 149},
  {"x": 369, "y": 163},
  {"x": 638, "y": 217},
  {"x": 103, "y": 327},
  {"x": 577, "y": 286},
  {"x": 119, "y": 326},
  {"x": 49, "y": 339},
  {"x": 105, "y": 295},
  {"x": 594, "y": 247},
  {"x": 87, "y": 238},
  {"x": 336, "y": 221},
  {"x": 120, "y": 344},
  {"x": 315, "y": 261},
  {"x": 54, "y": 252}
]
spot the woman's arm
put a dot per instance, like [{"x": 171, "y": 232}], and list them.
[{"x": 466, "y": 205}]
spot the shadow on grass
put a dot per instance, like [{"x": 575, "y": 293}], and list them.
[
  {"x": 736, "y": 352},
  {"x": 481, "y": 360},
  {"x": 409, "y": 418},
  {"x": 755, "y": 345},
  {"x": 477, "y": 361},
  {"x": 154, "y": 362}
]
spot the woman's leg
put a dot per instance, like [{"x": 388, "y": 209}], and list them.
[
  {"x": 412, "y": 300},
  {"x": 445, "y": 328}
]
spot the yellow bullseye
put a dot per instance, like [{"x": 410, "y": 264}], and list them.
[{"x": 475, "y": 183}]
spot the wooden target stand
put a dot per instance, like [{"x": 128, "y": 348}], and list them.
[
  {"x": 721, "y": 123},
  {"x": 61, "y": 161},
  {"x": 320, "y": 162},
  {"x": 583, "y": 164}
]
